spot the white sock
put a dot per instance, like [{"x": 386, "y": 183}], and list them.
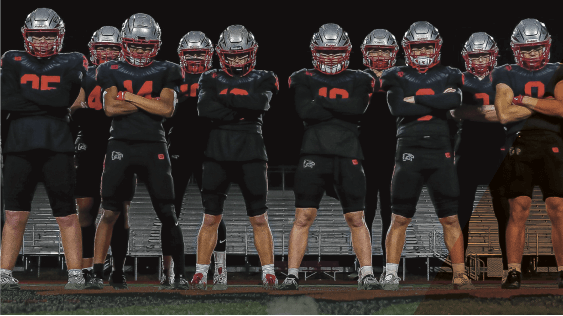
[
  {"x": 267, "y": 269},
  {"x": 559, "y": 268},
  {"x": 293, "y": 271},
  {"x": 89, "y": 269},
  {"x": 365, "y": 270},
  {"x": 220, "y": 259},
  {"x": 515, "y": 266},
  {"x": 202, "y": 268},
  {"x": 458, "y": 268},
  {"x": 391, "y": 268},
  {"x": 6, "y": 272}
]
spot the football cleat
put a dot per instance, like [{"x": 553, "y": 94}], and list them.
[
  {"x": 75, "y": 281},
  {"x": 181, "y": 284},
  {"x": 95, "y": 283},
  {"x": 220, "y": 279},
  {"x": 462, "y": 282},
  {"x": 117, "y": 280},
  {"x": 9, "y": 283},
  {"x": 166, "y": 282},
  {"x": 368, "y": 282},
  {"x": 390, "y": 282},
  {"x": 87, "y": 275},
  {"x": 382, "y": 276},
  {"x": 269, "y": 282},
  {"x": 198, "y": 282},
  {"x": 513, "y": 280},
  {"x": 290, "y": 283}
]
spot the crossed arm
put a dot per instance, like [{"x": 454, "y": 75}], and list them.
[
  {"x": 131, "y": 103},
  {"x": 508, "y": 112}
]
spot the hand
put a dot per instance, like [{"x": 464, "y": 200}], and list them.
[
  {"x": 453, "y": 116},
  {"x": 518, "y": 100},
  {"x": 449, "y": 90},
  {"x": 121, "y": 96},
  {"x": 84, "y": 105},
  {"x": 409, "y": 99}
]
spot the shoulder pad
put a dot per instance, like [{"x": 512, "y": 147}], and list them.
[
  {"x": 295, "y": 77},
  {"x": 211, "y": 72}
]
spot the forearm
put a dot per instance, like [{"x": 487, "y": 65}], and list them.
[
  {"x": 257, "y": 101},
  {"x": 162, "y": 108},
  {"x": 114, "y": 107},
  {"x": 506, "y": 111},
  {"x": 356, "y": 105},
  {"x": 484, "y": 114},
  {"x": 399, "y": 107},
  {"x": 79, "y": 103},
  {"x": 209, "y": 107},
  {"x": 551, "y": 107},
  {"x": 441, "y": 101}
]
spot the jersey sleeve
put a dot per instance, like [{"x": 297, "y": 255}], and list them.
[
  {"x": 357, "y": 102},
  {"x": 307, "y": 106},
  {"x": 396, "y": 95},
  {"x": 174, "y": 78},
  {"x": 104, "y": 78},
  {"x": 445, "y": 101},
  {"x": 11, "y": 96},
  {"x": 501, "y": 75},
  {"x": 259, "y": 100},
  {"x": 208, "y": 105}
]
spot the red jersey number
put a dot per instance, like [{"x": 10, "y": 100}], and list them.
[
  {"x": 534, "y": 84},
  {"x": 425, "y": 91},
  {"x": 145, "y": 91},
  {"x": 484, "y": 97},
  {"x": 333, "y": 93},
  {"x": 40, "y": 83},
  {"x": 193, "y": 90},
  {"x": 95, "y": 98}
]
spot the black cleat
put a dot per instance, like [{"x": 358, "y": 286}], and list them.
[
  {"x": 95, "y": 283},
  {"x": 166, "y": 283},
  {"x": 291, "y": 283},
  {"x": 117, "y": 280},
  {"x": 88, "y": 275},
  {"x": 180, "y": 283},
  {"x": 513, "y": 280}
]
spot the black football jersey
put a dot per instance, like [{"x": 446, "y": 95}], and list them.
[
  {"x": 331, "y": 107},
  {"x": 187, "y": 132},
  {"x": 428, "y": 115},
  {"x": 534, "y": 84},
  {"x": 147, "y": 82},
  {"x": 93, "y": 124},
  {"x": 377, "y": 125},
  {"x": 234, "y": 106},
  {"x": 475, "y": 135},
  {"x": 37, "y": 93}
]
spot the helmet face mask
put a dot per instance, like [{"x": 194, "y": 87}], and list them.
[
  {"x": 480, "y": 53},
  {"x": 196, "y": 52},
  {"x": 331, "y": 49},
  {"x": 236, "y": 50},
  {"x": 140, "y": 41},
  {"x": 422, "y": 35},
  {"x": 105, "y": 45},
  {"x": 139, "y": 53},
  {"x": 530, "y": 33},
  {"x": 43, "y": 33},
  {"x": 379, "y": 50}
]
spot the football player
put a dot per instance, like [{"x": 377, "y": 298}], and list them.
[
  {"x": 379, "y": 51},
  {"x": 330, "y": 100},
  {"x": 480, "y": 146},
  {"x": 186, "y": 151},
  {"x": 138, "y": 94},
  {"x": 534, "y": 129},
  {"x": 90, "y": 147},
  {"x": 420, "y": 95},
  {"x": 235, "y": 99},
  {"x": 38, "y": 85}
]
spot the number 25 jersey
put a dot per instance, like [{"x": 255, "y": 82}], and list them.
[{"x": 147, "y": 82}]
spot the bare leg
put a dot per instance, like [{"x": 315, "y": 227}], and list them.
[
  {"x": 12, "y": 238},
  {"x": 515, "y": 230},
  {"x": 361, "y": 239},
  {"x": 453, "y": 238},
  {"x": 71, "y": 237},
  {"x": 304, "y": 218},
  {"x": 555, "y": 212},
  {"x": 207, "y": 238},
  {"x": 263, "y": 238},
  {"x": 396, "y": 238}
]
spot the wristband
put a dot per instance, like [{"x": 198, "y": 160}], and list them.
[
  {"x": 518, "y": 100},
  {"x": 121, "y": 96}
]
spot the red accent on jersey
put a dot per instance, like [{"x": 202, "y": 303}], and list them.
[
  {"x": 30, "y": 77},
  {"x": 114, "y": 66},
  {"x": 161, "y": 156},
  {"x": 277, "y": 83},
  {"x": 224, "y": 91},
  {"x": 534, "y": 84},
  {"x": 322, "y": 92},
  {"x": 336, "y": 91},
  {"x": 462, "y": 79},
  {"x": 214, "y": 75},
  {"x": 95, "y": 98},
  {"x": 184, "y": 88},
  {"x": 308, "y": 73},
  {"x": 508, "y": 67},
  {"x": 448, "y": 155},
  {"x": 18, "y": 58},
  {"x": 355, "y": 162},
  {"x": 85, "y": 62},
  {"x": 289, "y": 82},
  {"x": 145, "y": 91},
  {"x": 425, "y": 118},
  {"x": 484, "y": 97},
  {"x": 425, "y": 91},
  {"x": 400, "y": 74},
  {"x": 237, "y": 91},
  {"x": 193, "y": 90},
  {"x": 45, "y": 80},
  {"x": 555, "y": 149}
]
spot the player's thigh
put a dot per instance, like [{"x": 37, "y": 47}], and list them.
[
  {"x": 215, "y": 186},
  {"x": 117, "y": 171},
  {"x": 158, "y": 171},
  {"x": 351, "y": 185},
  {"x": 253, "y": 183},
  {"x": 20, "y": 177},
  {"x": 550, "y": 171},
  {"x": 443, "y": 186},
  {"x": 312, "y": 174},
  {"x": 59, "y": 178},
  {"x": 89, "y": 163}
]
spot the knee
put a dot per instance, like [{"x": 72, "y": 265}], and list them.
[
  {"x": 304, "y": 219},
  {"x": 16, "y": 218},
  {"x": 68, "y": 221},
  {"x": 210, "y": 221},
  {"x": 398, "y": 221},
  {"x": 355, "y": 219},
  {"x": 519, "y": 210},
  {"x": 109, "y": 217},
  {"x": 259, "y": 221},
  {"x": 554, "y": 206},
  {"x": 449, "y": 221}
]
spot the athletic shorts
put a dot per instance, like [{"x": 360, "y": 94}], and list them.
[
  {"x": 316, "y": 172},
  {"x": 424, "y": 160}
]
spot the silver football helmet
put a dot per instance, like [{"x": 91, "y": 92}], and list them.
[
  {"x": 380, "y": 39},
  {"x": 43, "y": 22},
  {"x": 106, "y": 36},
  {"x": 422, "y": 32},
  {"x": 528, "y": 33},
  {"x": 236, "y": 50},
  {"x": 331, "y": 48},
  {"x": 478, "y": 44},
  {"x": 140, "y": 30},
  {"x": 196, "y": 52}
]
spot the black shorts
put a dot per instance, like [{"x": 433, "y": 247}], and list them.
[
  {"x": 424, "y": 160},
  {"x": 315, "y": 172},
  {"x": 22, "y": 172},
  {"x": 534, "y": 158},
  {"x": 149, "y": 160},
  {"x": 250, "y": 175},
  {"x": 89, "y": 163}
]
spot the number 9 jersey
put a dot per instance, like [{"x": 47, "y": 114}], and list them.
[{"x": 147, "y": 82}]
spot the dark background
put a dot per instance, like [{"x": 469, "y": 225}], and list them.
[{"x": 283, "y": 31}]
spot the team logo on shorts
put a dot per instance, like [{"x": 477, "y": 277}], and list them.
[
  {"x": 175, "y": 156},
  {"x": 408, "y": 157},
  {"x": 308, "y": 163},
  {"x": 161, "y": 156},
  {"x": 116, "y": 155},
  {"x": 81, "y": 147},
  {"x": 514, "y": 151}
]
